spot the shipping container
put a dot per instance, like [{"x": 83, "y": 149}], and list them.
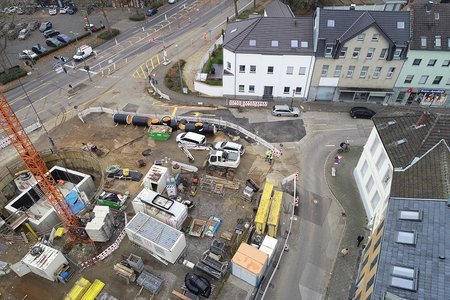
[
  {"x": 263, "y": 209},
  {"x": 166, "y": 210},
  {"x": 249, "y": 264},
  {"x": 44, "y": 261},
  {"x": 274, "y": 215},
  {"x": 158, "y": 238},
  {"x": 156, "y": 178},
  {"x": 269, "y": 246},
  {"x": 78, "y": 290}
]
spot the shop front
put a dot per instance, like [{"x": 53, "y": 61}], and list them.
[{"x": 422, "y": 97}]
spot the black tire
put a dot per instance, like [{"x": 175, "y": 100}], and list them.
[
  {"x": 296, "y": 116},
  {"x": 278, "y": 115}
]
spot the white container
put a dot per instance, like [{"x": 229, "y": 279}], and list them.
[
  {"x": 158, "y": 238},
  {"x": 46, "y": 263},
  {"x": 269, "y": 246},
  {"x": 168, "y": 211},
  {"x": 155, "y": 179},
  {"x": 249, "y": 264}
]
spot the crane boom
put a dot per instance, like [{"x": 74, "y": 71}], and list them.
[{"x": 36, "y": 166}]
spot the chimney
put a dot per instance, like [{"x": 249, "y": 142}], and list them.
[
  {"x": 423, "y": 118},
  {"x": 429, "y": 6},
  {"x": 352, "y": 6}
]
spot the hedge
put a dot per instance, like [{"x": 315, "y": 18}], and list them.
[
  {"x": 137, "y": 17},
  {"x": 13, "y": 73},
  {"x": 106, "y": 35}
]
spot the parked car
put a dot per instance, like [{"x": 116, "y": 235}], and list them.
[
  {"x": 50, "y": 33},
  {"x": 172, "y": 1},
  {"x": 64, "y": 38},
  {"x": 63, "y": 10},
  {"x": 24, "y": 34},
  {"x": 38, "y": 49},
  {"x": 361, "y": 112},
  {"x": 52, "y": 42},
  {"x": 230, "y": 146},
  {"x": 93, "y": 28},
  {"x": 52, "y": 11},
  {"x": 45, "y": 26},
  {"x": 285, "y": 111},
  {"x": 27, "y": 54},
  {"x": 71, "y": 10},
  {"x": 33, "y": 25},
  {"x": 83, "y": 52},
  {"x": 151, "y": 12},
  {"x": 191, "y": 139}
]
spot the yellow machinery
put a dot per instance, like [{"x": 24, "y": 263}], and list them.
[
  {"x": 78, "y": 290},
  {"x": 263, "y": 209},
  {"x": 94, "y": 290},
  {"x": 274, "y": 215}
]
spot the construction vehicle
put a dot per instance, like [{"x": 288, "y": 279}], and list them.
[{"x": 223, "y": 160}]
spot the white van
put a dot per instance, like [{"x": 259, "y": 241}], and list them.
[
  {"x": 83, "y": 52},
  {"x": 191, "y": 139}
]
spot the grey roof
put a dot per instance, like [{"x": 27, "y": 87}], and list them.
[
  {"x": 349, "y": 23},
  {"x": 264, "y": 30},
  {"x": 277, "y": 8},
  {"x": 151, "y": 229},
  {"x": 432, "y": 241},
  {"x": 411, "y": 135},
  {"x": 426, "y": 25},
  {"x": 427, "y": 177}
]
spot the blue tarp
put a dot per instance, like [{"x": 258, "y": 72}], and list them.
[{"x": 75, "y": 202}]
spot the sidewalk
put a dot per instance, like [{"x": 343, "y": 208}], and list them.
[{"x": 344, "y": 189}]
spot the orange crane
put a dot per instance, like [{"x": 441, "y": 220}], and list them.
[{"x": 34, "y": 163}]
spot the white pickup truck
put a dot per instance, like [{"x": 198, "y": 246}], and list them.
[{"x": 224, "y": 160}]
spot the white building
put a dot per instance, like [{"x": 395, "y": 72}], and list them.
[
  {"x": 268, "y": 58},
  {"x": 398, "y": 145}
]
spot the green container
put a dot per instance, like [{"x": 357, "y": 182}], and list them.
[
  {"x": 159, "y": 136},
  {"x": 111, "y": 204}
]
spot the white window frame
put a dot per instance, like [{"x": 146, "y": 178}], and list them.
[
  {"x": 357, "y": 51},
  {"x": 390, "y": 72},
  {"x": 364, "y": 71},
  {"x": 294, "y": 43},
  {"x": 274, "y": 43},
  {"x": 253, "y": 67},
  {"x": 324, "y": 71},
  {"x": 343, "y": 52},
  {"x": 423, "y": 41},
  {"x": 376, "y": 72},
  {"x": 302, "y": 71},
  {"x": 361, "y": 37},
  {"x": 398, "y": 53},
  {"x": 298, "y": 91},
  {"x": 437, "y": 41},
  {"x": 350, "y": 71},
  {"x": 290, "y": 70},
  {"x": 370, "y": 53},
  {"x": 423, "y": 79},
  {"x": 330, "y": 23},
  {"x": 383, "y": 53},
  {"x": 304, "y": 44},
  {"x": 375, "y": 37},
  {"x": 241, "y": 88},
  {"x": 288, "y": 90},
  {"x": 252, "y": 43},
  {"x": 409, "y": 78},
  {"x": 329, "y": 50},
  {"x": 400, "y": 25},
  {"x": 338, "y": 71}
]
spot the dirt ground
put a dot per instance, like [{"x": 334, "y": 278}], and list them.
[{"x": 123, "y": 145}]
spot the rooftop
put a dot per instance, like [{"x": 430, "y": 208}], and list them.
[
  {"x": 277, "y": 8},
  {"x": 409, "y": 264}
]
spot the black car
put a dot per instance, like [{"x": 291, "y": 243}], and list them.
[
  {"x": 151, "y": 12},
  {"x": 50, "y": 33},
  {"x": 361, "y": 113},
  {"x": 64, "y": 38},
  {"x": 71, "y": 10},
  {"x": 52, "y": 42},
  {"x": 38, "y": 49}
]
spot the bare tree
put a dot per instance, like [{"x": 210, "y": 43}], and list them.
[
  {"x": 101, "y": 5},
  {"x": 4, "y": 62}
]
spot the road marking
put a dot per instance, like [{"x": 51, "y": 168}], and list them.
[
  {"x": 174, "y": 111},
  {"x": 330, "y": 145},
  {"x": 199, "y": 114}
]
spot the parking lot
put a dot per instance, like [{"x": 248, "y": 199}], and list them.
[{"x": 71, "y": 25}]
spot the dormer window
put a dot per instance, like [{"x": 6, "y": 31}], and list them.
[
  {"x": 274, "y": 43},
  {"x": 330, "y": 23},
  {"x": 328, "y": 50},
  {"x": 252, "y": 43}
]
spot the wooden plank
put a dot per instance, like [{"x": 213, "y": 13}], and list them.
[{"x": 180, "y": 295}]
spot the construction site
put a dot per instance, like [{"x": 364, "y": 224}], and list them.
[{"x": 128, "y": 206}]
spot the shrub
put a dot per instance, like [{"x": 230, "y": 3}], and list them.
[
  {"x": 106, "y": 35},
  {"x": 136, "y": 17},
  {"x": 172, "y": 78},
  {"x": 13, "y": 73}
]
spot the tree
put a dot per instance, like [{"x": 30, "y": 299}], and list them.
[
  {"x": 4, "y": 61},
  {"x": 101, "y": 5}
]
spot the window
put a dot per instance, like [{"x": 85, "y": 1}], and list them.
[
  {"x": 337, "y": 71},
  {"x": 324, "y": 70},
  {"x": 406, "y": 237},
  {"x": 328, "y": 50},
  {"x": 330, "y": 23},
  {"x": 423, "y": 41},
  {"x": 390, "y": 72},
  {"x": 298, "y": 90},
  {"x": 361, "y": 37},
  {"x": 274, "y": 44},
  {"x": 302, "y": 71},
  {"x": 376, "y": 73},
  {"x": 251, "y": 88},
  {"x": 304, "y": 44},
  {"x": 228, "y": 65},
  {"x": 270, "y": 70},
  {"x": 383, "y": 53},
  {"x": 409, "y": 78},
  {"x": 290, "y": 70},
  {"x": 436, "y": 16},
  {"x": 446, "y": 63},
  {"x": 252, "y": 69},
  {"x": 417, "y": 62},
  {"x": 343, "y": 52},
  {"x": 437, "y": 79},
  {"x": 380, "y": 161},
  {"x": 252, "y": 43},
  {"x": 431, "y": 63},
  {"x": 242, "y": 69},
  {"x": 404, "y": 278},
  {"x": 448, "y": 82},
  {"x": 423, "y": 79},
  {"x": 374, "y": 146},
  {"x": 375, "y": 200},
  {"x": 241, "y": 88},
  {"x": 364, "y": 71},
  {"x": 369, "y": 185},
  {"x": 375, "y": 37},
  {"x": 370, "y": 53},
  {"x": 437, "y": 41},
  {"x": 364, "y": 167},
  {"x": 286, "y": 90},
  {"x": 398, "y": 53},
  {"x": 410, "y": 215},
  {"x": 294, "y": 44},
  {"x": 401, "y": 25},
  {"x": 350, "y": 71},
  {"x": 355, "y": 53},
  {"x": 448, "y": 42}
]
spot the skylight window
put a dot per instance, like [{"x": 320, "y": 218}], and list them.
[
  {"x": 294, "y": 44},
  {"x": 404, "y": 278},
  {"x": 330, "y": 23},
  {"x": 410, "y": 215},
  {"x": 304, "y": 44},
  {"x": 274, "y": 43},
  {"x": 406, "y": 237},
  {"x": 400, "y": 25},
  {"x": 252, "y": 43},
  {"x": 233, "y": 30}
]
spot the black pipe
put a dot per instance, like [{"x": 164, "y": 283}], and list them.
[
  {"x": 140, "y": 121},
  {"x": 120, "y": 118}
]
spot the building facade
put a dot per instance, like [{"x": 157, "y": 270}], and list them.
[
  {"x": 359, "y": 54},
  {"x": 425, "y": 77},
  {"x": 268, "y": 58}
]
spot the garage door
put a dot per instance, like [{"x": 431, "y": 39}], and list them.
[{"x": 325, "y": 93}]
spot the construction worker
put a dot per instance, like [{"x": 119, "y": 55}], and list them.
[{"x": 269, "y": 156}]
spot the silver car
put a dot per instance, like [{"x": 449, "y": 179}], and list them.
[{"x": 285, "y": 111}]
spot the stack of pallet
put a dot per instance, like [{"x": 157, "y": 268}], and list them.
[
  {"x": 225, "y": 183},
  {"x": 125, "y": 272}
]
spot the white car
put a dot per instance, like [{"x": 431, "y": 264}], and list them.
[
  {"x": 53, "y": 11},
  {"x": 27, "y": 54},
  {"x": 172, "y": 1},
  {"x": 230, "y": 147},
  {"x": 63, "y": 10},
  {"x": 191, "y": 139}
]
